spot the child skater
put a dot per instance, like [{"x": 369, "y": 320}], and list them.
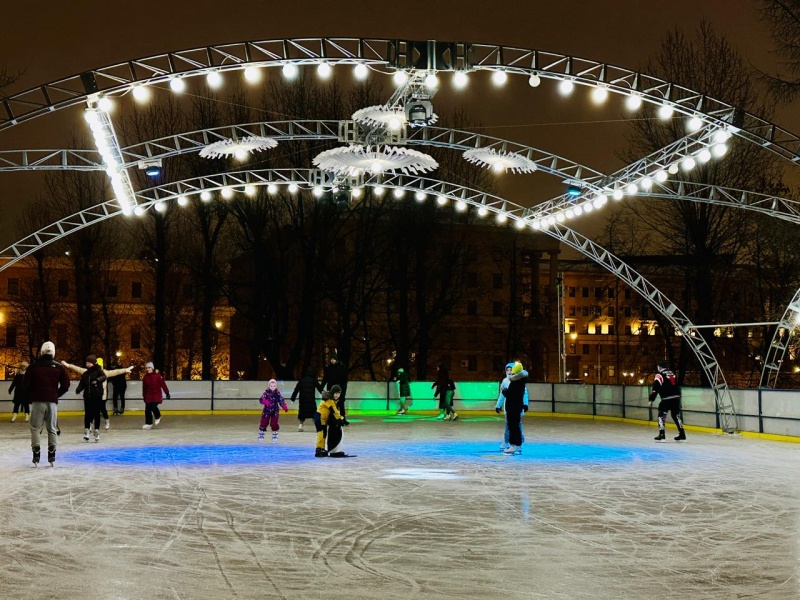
[
  {"x": 501, "y": 404},
  {"x": 273, "y": 403},
  {"x": 403, "y": 391},
  {"x": 329, "y": 421},
  {"x": 20, "y": 394},
  {"x": 514, "y": 394}
]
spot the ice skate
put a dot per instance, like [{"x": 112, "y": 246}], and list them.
[
  {"x": 260, "y": 436},
  {"x": 681, "y": 437},
  {"x": 440, "y": 417},
  {"x": 503, "y": 446},
  {"x": 13, "y": 417},
  {"x": 339, "y": 454},
  {"x": 454, "y": 416},
  {"x": 36, "y": 456},
  {"x": 108, "y": 424},
  {"x": 158, "y": 420},
  {"x": 85, "y": 435},
  {"x": 27, "y": 417},
  {"x": 51, "y": 456},
  {"x": 510, "y": 451},
  {"x": 660, "y": 437},
  {"x": 300, "y": 427},
  {"x": 96, "y": 435},
  {"x": 320, "y": 453},
  {"x": 274, "y": 436},
  {"x": 147, "y": 426}
]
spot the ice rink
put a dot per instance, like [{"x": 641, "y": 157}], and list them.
[{"x": 198, "y": 509}]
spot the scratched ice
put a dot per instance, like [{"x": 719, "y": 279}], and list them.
[{"x": 199, "y": 509}]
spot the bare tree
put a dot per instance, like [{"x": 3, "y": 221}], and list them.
[{"x": 783, "y": 16}]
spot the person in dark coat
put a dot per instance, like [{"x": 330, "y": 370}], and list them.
[
  {"x": 91, "y": 385},
  {"x": 45, "y": 382},
  {"x": 152, "y": 386},
  {"x": 20, "y": 397},
  {"x": 335, "y": 374},
  {"x": 120, "y": 384},
  {"x": 403, "y": 391},
  {"x": 515, "y": 406},
  {"x": 305, "y": 390}
]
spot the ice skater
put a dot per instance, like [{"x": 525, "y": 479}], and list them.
[
  {"x": 336, "y": 375},
  {"x": 20, "y": 397},
  {"x": 446, "y": 390},
  {"x": 328, "y": 422},
  {"x": 403, "y": 391},
  {"x": 501, "y": 405},
  {"x": 45, "y": 382},
  {"x": 91, "y": 385},
  {"x": 108, "y": 373},
  {"x": 273, "y": 403},
  {"x": 514, "y": 394},
  {"x": 152, "y": 386},
  {"x": 306, "y": 390},
  {"x": 665, "y": 384}
]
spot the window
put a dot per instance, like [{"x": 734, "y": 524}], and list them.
[
  {"x": 13, "y": 287},
  {"x": 497, "y": 281},
  {"x": 472, "y": 362},
  {"x": 61, "y": 336},
  {"x": 644, "y": 312},
  {"x": 498, "y": 336},
  {"x": 136, "y": 337},
  {"x": 572, "y": 292},
  {"x": 611, "y": 292},
  {"x": 111, "y": 291},
  {"x": 611, "y": 311},
  {"x": 599, "y": 349},
  {"x": 585, "y": 311},
  {"x": 585, "y": 292},
  {"x": 497, "y": 363},
  {"x": 136, "y": 290},
  {"x": 611, "y": 330},
  {"x": 612, "y": 349},
  {"x": 11, "y": 336},
  {"x": 597, "y": 311},
  {"x": 63, "y": 288},
  {"x": 628, "y": 330},
  {"x": 472, "y": 307},
  {"x": 472, "y": 335},
  {"x": 472, "y": 279},
  {"x": 571, "y": 311},
  {"x": 585, "y": 349},
  {"x": 627, "y": 294},
  {"x": 627, "y": 311},
  {"x": 598, "y": 292},
  {"x": 497, "y": 309}
]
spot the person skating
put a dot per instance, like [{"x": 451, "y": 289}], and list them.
[
  {"x": 501, "y": 405},
  {"x": 515, "y": 407},
  {"x": 665, "y": 384},
  {"x": 445, "y": 390},
  {"x": 306, "y": 389},
  {"x": 119, "y": 383},
  {"x": 328, "y": 422},
  {"x": 108, "y": 373},
  {"x": 273, "y": 402},
  {"x": 335, "y": 374},
  {"x": 45, "y": 382},
  {"x": 20, "y": 397},
  {"x": 91, "y": 385},
  {"x": 403, "y": 391},
  {"x": 152, "y": 386}
]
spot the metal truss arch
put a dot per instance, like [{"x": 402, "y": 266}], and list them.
[
  {"x": 790, "y": 320},
  {"x": 393, "y": 54},
  {"x": 461, "y": 194}
]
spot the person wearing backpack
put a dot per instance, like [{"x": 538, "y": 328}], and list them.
[{"x": 93, "y": 395}]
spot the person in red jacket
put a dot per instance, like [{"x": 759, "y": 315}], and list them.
[
  {"x": 45, "y": 382},
  {"x": 152, "y": 384}
]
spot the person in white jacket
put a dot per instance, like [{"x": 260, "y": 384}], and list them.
[
  {"x": 501, "y": 404},
  {"x": 108, "y": 373}
]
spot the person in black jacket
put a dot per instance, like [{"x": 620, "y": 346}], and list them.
[
  {"x": 45, "y": 382},
  {"x": 91, "y": 385},
  {"x": 665, "y": 384},
  {"x": 120, "y": 384},
  {"x": 515, "y": 406},
  {"x": 305, "y": 389},
  {"x": 20, "y": 397},
  {"x": 335, "y": 374}
]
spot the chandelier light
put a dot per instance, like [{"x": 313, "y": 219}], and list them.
[
  {"x": 239, "y": 148},
  {"x": 500, "y": 161},
  {"x": 357, "y": 159}
]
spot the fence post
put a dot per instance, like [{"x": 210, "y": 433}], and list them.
[
  {"x": 553, "y": 398},
  {"x": 212, "y": 395},
  {"x": 624, "y": 388},
  {"x": 760, "y": 414},
  {"x": 594, "y": 400}
]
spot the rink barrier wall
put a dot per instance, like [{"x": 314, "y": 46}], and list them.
[{"x": 763, "y": 412}]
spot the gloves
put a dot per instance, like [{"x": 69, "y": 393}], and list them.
[
  {"x": 497, "y": 410},
  {"x": 169, "y": 397},
  {"x": 524, "y": 408},
  {"x": 285, "y": 410}
]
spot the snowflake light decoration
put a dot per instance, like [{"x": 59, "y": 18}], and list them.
[
  {"x": 239, "y": 149},
  {"x": 500, "y": 161},
  {"x": 355, "y": 160},
  {"x": 386, "y": 116}
]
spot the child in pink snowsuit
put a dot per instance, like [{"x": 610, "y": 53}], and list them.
[{"x": 273, "y": 402}]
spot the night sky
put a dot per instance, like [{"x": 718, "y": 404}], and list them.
[{"x": 54, "y": 39}]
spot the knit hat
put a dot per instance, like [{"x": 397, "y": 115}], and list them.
[
  {"x": 325, "y": 395},
  {"x": 24, "y": 365},
  {"x": 400, "y": 370},
  {"x": 48, "y": 348},
  {"x": 91, "y": 359},
  {"x": 100, "y": 362},
  {"x": 336, "y": 389},
  {"x": 149, "y": 366},
  {"x": 510, "y": 366},
  {"x": 517, "y": 368}
]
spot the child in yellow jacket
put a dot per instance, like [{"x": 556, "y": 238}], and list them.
[{"x": 328, "y": 421}]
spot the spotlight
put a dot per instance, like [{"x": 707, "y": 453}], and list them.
[
  {"x": 160, "y": 206},
  {"x": 617, "y": 195},
  {"x": 356, "y": 193},
  {"x": 176, "y": 84},
  {"x": 420, "y": 196},
  {"x": 634, "y": 102},
  {"x": 688, "y": 163},
  {"x": 566, "y": 87},
  {"x": 141, "y": 93},
  {"x": 520, "y": 224},
  {"x": 272, "y": 189},
  {"x": 400, "y": 78},
  {"x": 631, "y": 189},
  {"x": 704, "y": 156},
  {"x": 105, "y": 104},
  {"x": 673, "y": 169},
  {"x": 183, "y": 200},
  {"x": 599, "y": 95},
  {"x": 379, "y": 190},
  {"x": 419, "y": 112},
  {"x": 252, "y": 74},
  {"x": 661, "y": 176},
  {"x": 289, "y": 71},
  {"x": 573, "y": 191},
  {"x": 138, "y": 211},
  {"x": 646, "y": 183},
  {"x": 501, "y": 217},
  {"x": 360, "y": 71},
  {"x": 293, "y": 189},
  {"x": 442, "y": 200},
  {"x": 483, "y": 211},
  {"x": 695, "y": 123},
  {"x": 461, "y": 206},
  {"x": 226, "y": 193},
  {"x": 324, "y": 70},
  {"x": 398, "y": 193},
  {"x": 499, "y": 78},
  {"x": 318, "y": 191},
  {"x": 720, "y": 150},
  {"x": 153, "y": 171},
  {"x": 205, "y": 196},
  {"x": 722, "y": 136},
  {"x": 460, "y": 80},
  {"x": 665, "y": 111},
  {"x": 214, "y": 80}
]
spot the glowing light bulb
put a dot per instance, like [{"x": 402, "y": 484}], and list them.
[
  {"x": 356, "y": 193},
  {"x": 91, "y": 117},
  {"x": 600, "y": 201},
  {"x": 105, "y": 104},
  {"x": 551, "y": 220},
  {"x": 587, "y": 207},
  {"x": 290, "y": 71},
  {"x": 536, "y": 224},
  {"x": 376, "y": 167},
  {"x": 378, "y": 191},
  {"x": 578, "y": 211},
  {"x": 431, "y": 81},
  {"x": 250, "y": 190},
  {"x": 160, "y": 206},
  {"x": 138, "y": 211},
  {"x": 704, "y": 155},
  {"x": 400, "y": 78},
  {"x": 560, "y": 217},
  {"x": 599, "y": 95},
  {"x": 420, "y": 196},
  {"x": 720, "y": 150},
  {"x": 501, "y": 217},
  {"x": 520, "y": 224},
  {"x": 240, "y": 154},
  {"x": 441, "y": 200},
  {"x": 324, "y": 70},
  {"x": 361, "y": 71},
  {"x": 634, "y": 102},
  {"x": 617, "y": 195},
  {"x": 566, "y": 87},
  {"x": 665, "y": 111},
  {"x": 534, "y": 80},
  {"x": 252, "y": 74},
  {"x": 205, "y": 196},
  {"x": 395, "y": 123},
  {"x": 460, "y": 80},
  {"x": 695, "y": 123},
  {"x": 399, "y": 193},
  {"x": 661, "y": 176},
  {"x": 214, "y": 80},
  {"x": 673, "y": 169},
  {"x": 461, "y": 206},
  {"x": 499, "y": 78},
  {"x": 646, "y": 183},
  {"x": 631, "y": 189},
  {"x": 483, "y": 211},
  {"x": 293, "y": 189},
  {"x": 227, "y": 193},
  {"x": 499, "y": 167},
  {"x": 141, "y": 93},
  {"x": 570, "y": 213},
  {"x": 722, "y": 136},
  {"x": 688, "y": 163},
  {"x": 272, "y": 189},
  {"x": 183, "y": 200},
  {"x": 177, "y": 84},
  {"x": 318, "y": 191}
]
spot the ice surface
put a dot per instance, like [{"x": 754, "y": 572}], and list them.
[{"x": 198, "y": 509}]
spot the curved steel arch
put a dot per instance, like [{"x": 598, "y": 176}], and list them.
[
  {"x": 456, "y": 192},
  {"x": 394, "y": 54},
  {"x": 790, "y": 320}
]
